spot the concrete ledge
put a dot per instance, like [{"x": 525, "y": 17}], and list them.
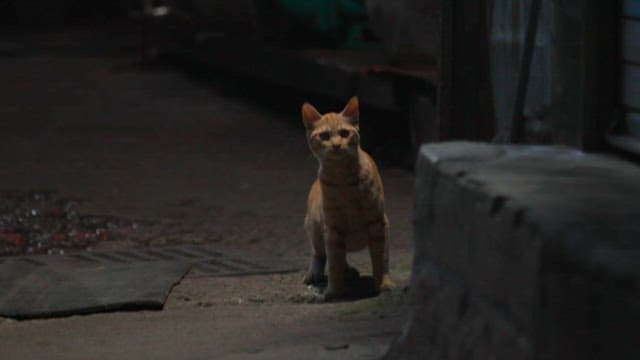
[
  {"x": 544, "y": 243},
  {"x": 337, "y": 74},
  {"x": 449, "y": 322}
]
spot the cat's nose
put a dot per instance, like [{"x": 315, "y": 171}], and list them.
[{"x": 336, "y": 146}]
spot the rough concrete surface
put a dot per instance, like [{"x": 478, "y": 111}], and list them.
[
  {"x": 188, "y": 165},
  {"x": 541, "y": 246}
]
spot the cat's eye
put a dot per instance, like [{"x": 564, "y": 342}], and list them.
[
  {"x": 325, "y": 135},
  {"x": 343, "y": 133}
]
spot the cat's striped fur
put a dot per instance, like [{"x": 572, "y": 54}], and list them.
[{"x": 345, "y": 209}]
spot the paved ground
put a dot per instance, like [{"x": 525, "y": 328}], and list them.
[{"x": 188, "y": 165}]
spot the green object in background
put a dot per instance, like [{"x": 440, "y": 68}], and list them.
[
  {"x": 344, "y": 18},
  {"x": 321, "y": 15}
]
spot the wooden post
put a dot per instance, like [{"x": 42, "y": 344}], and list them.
[{"x": 465, "y": 105}]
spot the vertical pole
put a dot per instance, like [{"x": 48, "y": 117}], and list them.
[{"x": 517, "y": 120}]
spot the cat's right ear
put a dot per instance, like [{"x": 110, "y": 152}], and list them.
[
  {"x": 309, "y": 115},
  {"x": 352, "y": 111}
]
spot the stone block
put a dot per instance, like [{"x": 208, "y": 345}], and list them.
[{"x": 546, "y": 237}]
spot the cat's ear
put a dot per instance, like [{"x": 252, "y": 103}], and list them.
[
  {"x": 352, "y": 112},
  {"x": 309, "y": 115}
]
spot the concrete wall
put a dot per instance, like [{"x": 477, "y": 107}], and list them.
[{"x": 523, "y": 252}]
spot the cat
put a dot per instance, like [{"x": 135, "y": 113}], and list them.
[{"x": 345, "y": 207}]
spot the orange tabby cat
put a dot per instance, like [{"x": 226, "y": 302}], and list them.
[{"x": 345, "y": 209}]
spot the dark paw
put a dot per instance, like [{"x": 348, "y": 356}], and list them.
[
  {"x": 315, "y": 274},
  {"x": 314, "y": 279}
]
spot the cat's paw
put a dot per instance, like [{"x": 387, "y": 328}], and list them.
[
  {"x": 332, "y": 293},
  {"x": 386, "y": 284},
  {"x": 315, "y": 274}
]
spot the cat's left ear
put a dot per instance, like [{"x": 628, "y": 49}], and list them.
[
  {"x": 352, "y": 112},
  {"x": 309, "y": 115}
]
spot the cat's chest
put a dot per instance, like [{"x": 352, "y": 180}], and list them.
[
  {"x": 351, "y": 206},
  {"x": 347, "y": 196}
]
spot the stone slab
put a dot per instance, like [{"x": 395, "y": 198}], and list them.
[{"x": 29, "y": 290}]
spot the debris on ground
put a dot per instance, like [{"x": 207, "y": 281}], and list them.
[{"x": 39, "y": 222}]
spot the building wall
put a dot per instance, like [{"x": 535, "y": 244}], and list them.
[{"x": 631, "y": 66}]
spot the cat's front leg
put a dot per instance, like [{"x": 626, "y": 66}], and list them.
[
  {"x": 379, "y": 252},
  {"x": 337, "y": 256},
  {"x": 315, "y": 234}
]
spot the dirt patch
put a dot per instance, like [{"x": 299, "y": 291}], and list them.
[{"x": 41, "y": 222}]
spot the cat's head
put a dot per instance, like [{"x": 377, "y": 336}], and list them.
[{"x": 332, "y": 136}]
